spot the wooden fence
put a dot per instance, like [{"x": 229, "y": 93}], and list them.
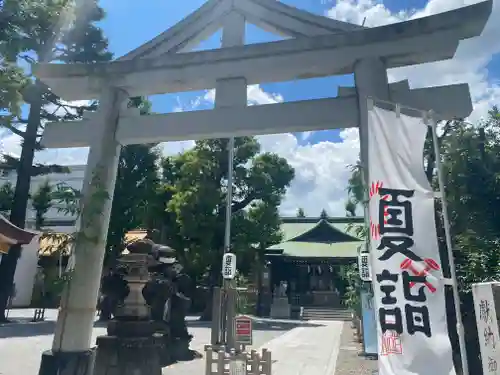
[{"x": 219, "y": 362}]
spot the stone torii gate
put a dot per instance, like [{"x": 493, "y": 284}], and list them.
[{"x": 316, "y": 47}]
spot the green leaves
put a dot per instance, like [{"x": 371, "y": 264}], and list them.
[
  {"x": 195, "y": 185},
  {"x": 6, "y": 197},
  {"x": 42, "y": 202},
  {"x": 300, "y": 212},
  {"x": 472, "y": 168},
  {"x": 135, "y": 194}
]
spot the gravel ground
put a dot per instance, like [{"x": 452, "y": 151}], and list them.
[{"x": 349, "y": 362}]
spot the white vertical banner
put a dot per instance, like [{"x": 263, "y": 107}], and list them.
[
  {"x": 487, "y": 327},
  {"x": 407, "y": 278}
]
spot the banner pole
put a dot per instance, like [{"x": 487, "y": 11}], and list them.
[{"x": 449, "y": 246}]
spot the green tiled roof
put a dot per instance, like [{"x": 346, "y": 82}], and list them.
[
  {"x": 319, "y": 238},
  {"x": 318, "y": 250},
  {"x": 292, "y": 230}
]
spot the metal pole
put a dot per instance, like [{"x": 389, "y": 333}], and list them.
[
  {"x": 225, "y": 300},
  {"x": 229, "y": 195},
  {"x": 449, "y": 246}
]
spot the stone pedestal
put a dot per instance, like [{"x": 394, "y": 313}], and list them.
[
  {"x": 131, "y": 348},
  {"x": 280, "y": 308}
]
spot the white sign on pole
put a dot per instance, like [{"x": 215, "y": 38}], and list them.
[
  {"x": 364, "y": 267},
  {"x": 229, "y": 266},
  {"x": 407, "y": 278},
  {"x": 487, "y": 327}
]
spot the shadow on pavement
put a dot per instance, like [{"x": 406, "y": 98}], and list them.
[
  {"x": 262, "y": 325},
  {"x": 24, "y": 327}
]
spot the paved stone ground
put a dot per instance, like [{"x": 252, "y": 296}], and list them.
[
  {"x": 22, "y": 344},
  {"x": 307, "y": 350},
  {"x": 298, "y": 348},
  {"x": 349, "y": 361}
]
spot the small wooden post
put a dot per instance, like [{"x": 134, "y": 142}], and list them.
[
  {"x": 266, "y": 362},
  {"x": 221, "y": 361},
  {"x": 254, "y": 363},
  {"x": 209, "y": 359}
]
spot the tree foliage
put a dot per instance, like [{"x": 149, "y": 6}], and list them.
[
  {"x": 193, "y": 201},
  {"x": 39, "y": 31},
  {"x": 136, "y": 186},
  {"x": 42, "y": 202},
  {"x": 300, "y": 212},
  {"x": 472, "y": 178},
  {"x": 6, "y": 197}
]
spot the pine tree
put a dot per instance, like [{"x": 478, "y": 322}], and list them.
[
  {"x": 42, "y": 202},
  {"x": 42, "y": 31},
  {"x": 6, "y": 197},
  {"x": 323, "y": 214},
  {"x": 301, "y": 212}
]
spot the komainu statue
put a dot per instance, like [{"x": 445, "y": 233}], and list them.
[{"x": 168, "y": 294}]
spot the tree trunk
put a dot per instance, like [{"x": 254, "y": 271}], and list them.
[{"x": 8, "y": 263}]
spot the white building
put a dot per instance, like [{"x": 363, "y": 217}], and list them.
[{"x": 55, "y": 220}]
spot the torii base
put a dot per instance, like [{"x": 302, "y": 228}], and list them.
[{"x": 67, "y": 363}]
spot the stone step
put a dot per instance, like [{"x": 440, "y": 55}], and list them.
[{"x": 315, "y": 313}]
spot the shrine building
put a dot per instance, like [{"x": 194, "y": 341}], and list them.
[{"x": 310, "y": 262}]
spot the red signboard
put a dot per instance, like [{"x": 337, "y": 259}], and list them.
[{"x": 243, "y": 329}]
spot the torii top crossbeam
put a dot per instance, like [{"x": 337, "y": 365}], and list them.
[{"x": 320, "y": 47}]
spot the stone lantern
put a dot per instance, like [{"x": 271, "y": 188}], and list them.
[{"x": 131, "y": 347}]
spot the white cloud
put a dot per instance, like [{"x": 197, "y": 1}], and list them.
[
  {"x": 468, "y": 65},
  {"x": 321, "y": 170}
]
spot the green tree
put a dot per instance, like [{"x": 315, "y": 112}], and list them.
[
  {"x": 136, "y": 185},
  {"x": 196, "y": 187},
  {"x": 135, "y": 189},
  {"x": 323, "y": 214},
  {"x": 41, "y": 202},
  {"x": 12, "y": 81},
  {"x": 6, "y": 197},
  {"x": 355, "y": 190},
  {"x": 42, "y": 31},
  {"x": 264, "y": 227},
  {"x": 300, "y": 212}
]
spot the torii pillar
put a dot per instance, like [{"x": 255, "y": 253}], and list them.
[{"x": 72, "y": 352}]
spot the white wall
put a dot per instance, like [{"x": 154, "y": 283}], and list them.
[
  {"x": 25, "y": 274},
  {"x": 27, "y": 264}
]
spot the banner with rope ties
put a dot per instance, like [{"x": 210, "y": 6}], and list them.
[{"x": 407, "y": 277}]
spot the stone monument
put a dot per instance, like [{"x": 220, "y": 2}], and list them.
[{"x": 280, "y": 307}]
